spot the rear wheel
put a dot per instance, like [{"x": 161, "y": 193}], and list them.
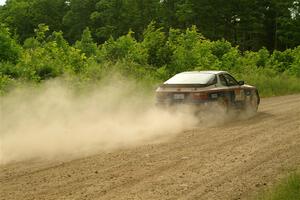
[
  {"x": 214, "y": 108},
  {"x": 223, "y": 105},
  {"x": 251, "y": 105}
]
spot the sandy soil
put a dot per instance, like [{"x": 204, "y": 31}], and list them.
[{"x": 232, "y": 161}]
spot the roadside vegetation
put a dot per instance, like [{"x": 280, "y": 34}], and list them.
[
  {"x": 151, "y": 60},
  {"x": 288, "y": 189},
  {"x": 84, "y": 42}
]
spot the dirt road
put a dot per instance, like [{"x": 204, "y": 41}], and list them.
[{"x": 231, "y": 161}]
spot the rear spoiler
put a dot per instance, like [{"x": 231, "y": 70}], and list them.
[{"x": 183, "y": 85}]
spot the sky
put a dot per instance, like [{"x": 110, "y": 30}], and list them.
[{"x": 2, "y": 2}]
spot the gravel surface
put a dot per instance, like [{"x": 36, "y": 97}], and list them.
[{"x": 231, "y": 161}]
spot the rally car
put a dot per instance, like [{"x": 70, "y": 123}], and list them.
[{"x": 208, "y": 88}]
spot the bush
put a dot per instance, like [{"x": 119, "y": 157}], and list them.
[
  {"x": 154, "y": 41},
  {"x": 50, "y": 58},
  {"x": 5, "y": 82},
  {"x": 154, "y": 59},
  {"x": 190, "y": 51},
  {"x": 10, "y": 70},
  {"x": 281, "y": 61},
  {"x": 86, "y": 44},
  {"x": 10, "y": 51},
  {"x": 294, "y": 70},
  {"x": 124, "y": 48}
]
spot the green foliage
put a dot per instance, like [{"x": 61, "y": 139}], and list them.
[
  {"x": 220, "y": 48},
  {"x": 49, "y": 59},
  {"x": 248, "y": 24},
  {"x": 86, "y": 44},
  {"x": 153, "y": 59},
  {"x": 154, "y": 41},
  {"x": 10, "y": 70},
  {"x": 269, "y": 84},
  {"x": 282, "y": 61},
  {"x": 31, "y": 43},
  {"x": 23, "y": 16},
  {"x": 5, "y": 82},
  {"x": 40, "y": 32},
  {"x": 190, "y": 50},
  {"x": 263, "y": 58},
  {"x": 125, "y": 47},
  {"x": 288, "y": 189},
  {"x": 295, "y": 66},
  {"x": 9, "y": 50}
]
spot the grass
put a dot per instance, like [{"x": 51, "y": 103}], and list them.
[
  {"x": 274, "y": 86},
  {"x": 288, "y": 189}
]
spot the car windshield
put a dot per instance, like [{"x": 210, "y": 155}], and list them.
[{"x": 192, "y": 78}]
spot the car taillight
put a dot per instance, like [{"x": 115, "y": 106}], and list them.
[{"x": 200, "y": 96}]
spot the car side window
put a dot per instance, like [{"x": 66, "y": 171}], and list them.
[
  {"x": 230, "y": 80},
  {"x": 223, "y": 80},
  {"x": 212, "y": 81}
]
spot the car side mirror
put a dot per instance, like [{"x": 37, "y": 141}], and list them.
[{"x": 241, "y": 82}]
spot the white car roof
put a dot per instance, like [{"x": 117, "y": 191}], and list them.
[{"x": 205, "y": 72}]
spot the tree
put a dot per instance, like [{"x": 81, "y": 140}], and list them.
[
  {"x": 86, "y": 44},
  {"x": 288, "y": 25},
  {"x": 23, "y": 16},
  {"x": 77, "y": 18}
]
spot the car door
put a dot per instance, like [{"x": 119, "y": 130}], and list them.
[{"x": 235, "y": 92}]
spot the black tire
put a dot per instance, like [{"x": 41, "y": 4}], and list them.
[
  {"x": 251, "y": 105},
  {"x": 223, "y": 105}
]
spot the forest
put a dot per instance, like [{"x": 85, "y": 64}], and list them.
[{"x": 83, "y": 41}]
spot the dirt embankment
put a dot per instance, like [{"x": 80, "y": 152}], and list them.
[{"x": 231, "y": 161}]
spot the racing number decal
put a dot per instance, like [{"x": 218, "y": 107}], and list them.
[{"x": 239, "y": 95}]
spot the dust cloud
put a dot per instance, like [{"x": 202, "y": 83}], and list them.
[{"x": 55, "y": 122}]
